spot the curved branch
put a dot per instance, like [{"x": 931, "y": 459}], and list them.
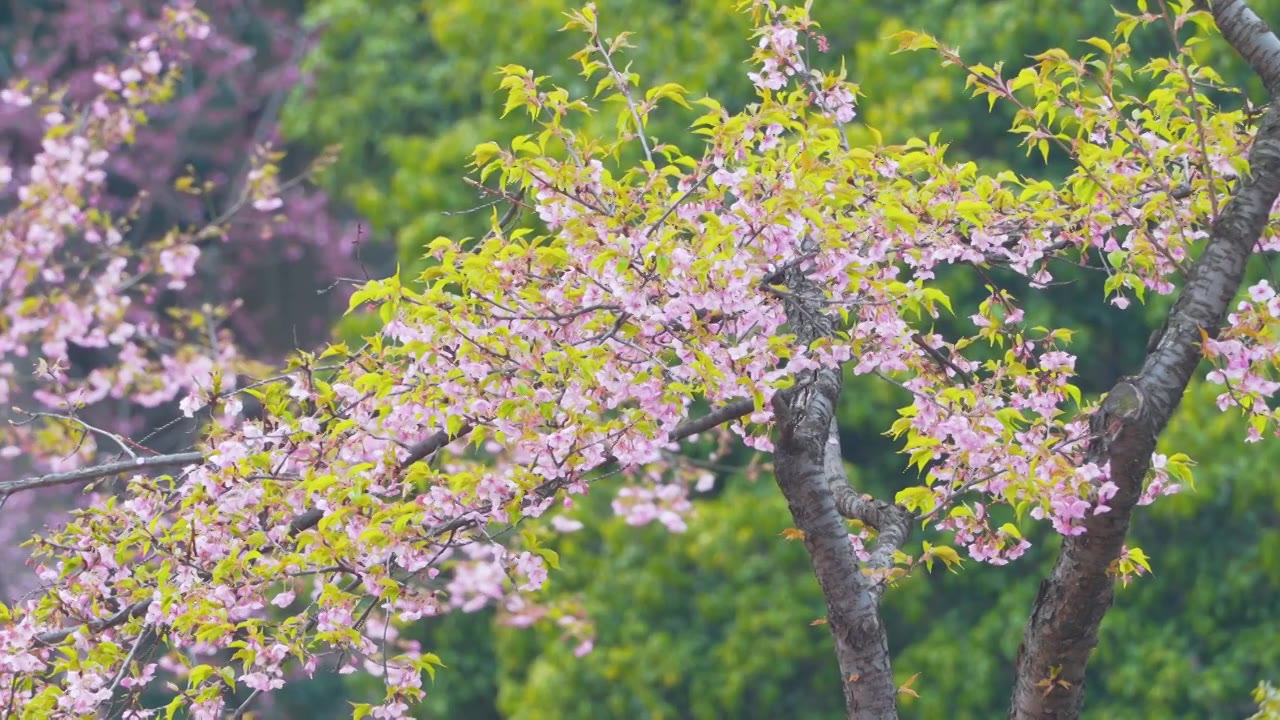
[
  {"x": 724, "y": 414},
  {"x": 891, "y": 522}
]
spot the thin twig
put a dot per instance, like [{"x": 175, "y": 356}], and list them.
[
  {"x": 680, "y": 200},
  {"x": 119, "y": 440},
  {"x": 624, "y": 86}
]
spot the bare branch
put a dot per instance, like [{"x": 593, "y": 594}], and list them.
[
  {"x": 121, "y": 617},
  {"x": 624, "y": 86},
  {"x": 9, "y": 487},
  {"x": 143, "y": 646},
  {"x": 122, "y": 442}
]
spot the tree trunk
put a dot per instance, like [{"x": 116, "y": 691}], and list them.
[{"x": 862, "y": 648}]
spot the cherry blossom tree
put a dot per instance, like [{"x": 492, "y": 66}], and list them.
[{"x": 662, "y": 298}]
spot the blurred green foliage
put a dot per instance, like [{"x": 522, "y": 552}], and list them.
[
  {"x": 716, "y": 622},
  {"x": 701, "y": 625}
]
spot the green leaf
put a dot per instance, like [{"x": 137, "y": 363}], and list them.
[
  {"x": 909, "y": 41},
  {"x": 1011, "y": 530},
  {"x": 199, "y": 674},
  {"x": 916, "y": 499}
]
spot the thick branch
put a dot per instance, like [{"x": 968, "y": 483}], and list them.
[
  {"x": 428, "y": 446},
  {"x": 1250, "y": 37},
  {"x": 862, "y": 647},
  {"x": 731, "y": 411},
  {"x": 1063, "y": 628}
]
